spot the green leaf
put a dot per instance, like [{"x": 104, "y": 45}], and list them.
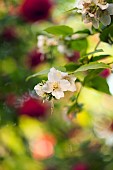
[
  {"x": 96, "y": 51},
  {"x": 71, "y": 67},
  {"x": 59, "y": 30},
  {"x": 92, "y": 65},
  {"x": 85, "y": 31},
  {"x": 98, "y": 83},
  {"x": 38, "y": 74},
  {"x": 96, "y": 58},
  {"x": 72, "y": 9},
  {"x": 107, "y": 34},
  {"x": 79, "y": 45}
]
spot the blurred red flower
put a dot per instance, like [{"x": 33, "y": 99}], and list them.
[
  {"x": 74, "y": 57},
  {"x": 35, "y": 10},
  {"x": 35, "y": 58},
  {"x": 105, "y": 73},
  {"x": 80, "y": 166},
  {"x": 34, "y": 107}
]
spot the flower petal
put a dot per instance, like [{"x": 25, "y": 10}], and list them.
[
  {"x": 64, "y": 85},
  {"x": 103, "y": 7},
  {"x": 110, "y": 9},
  {"x": 55, "y": 75},
  {"x": 58, "y": 94},
  {"x": 105, "y": 19},
  {"x": 95, "y": 23},
  {"x": 38, "y": 89},
  {"x": 47, "y": 87}
]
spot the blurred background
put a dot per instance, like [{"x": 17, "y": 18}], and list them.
[{"x": 31, "y": 136}]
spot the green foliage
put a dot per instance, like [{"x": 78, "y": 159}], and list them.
[{"x": 60, "y": 30}]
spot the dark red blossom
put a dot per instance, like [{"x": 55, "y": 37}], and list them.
[
  {"x": 80, "y": 166},
  {"x": 35, "y": 10},
  {"x": 105, "y": 73},
  {"x": 35, "y": 58},
  {"x": 34, "y": 108}
]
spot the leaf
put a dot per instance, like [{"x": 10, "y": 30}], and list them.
[
  {"x": 38, "y": 74},
  {"x": 79, "y": 45},
  {"x": 96, "y": 51},
  {"x": 59, "y": 30},
  {"x": 107, "y": 34},
  {"x": 85, "y": 31},
  {"x": 92, "y": 65},
  {"x": 96, "y": 58},
  {"x": 72, "y": 9},
  {"x": 71, "y": 67},
  {"x": 98, "y": 83}
]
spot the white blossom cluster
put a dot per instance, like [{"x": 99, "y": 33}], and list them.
[
  {"x": 44, "y": 42},
  {"x": 58, "y": 82},
  {"x": 95, "y": 11}
]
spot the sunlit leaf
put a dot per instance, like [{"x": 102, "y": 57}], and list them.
[
  {"x": 59, "y": 30},
  {"x": 92, "y": 65}
]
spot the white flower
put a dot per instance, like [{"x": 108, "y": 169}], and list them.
[
  {"x": 57, "y": 88},
  {"x": 41, "y": 44},
  {"x": 95, "y": 11},
  {"x": 44, "y": 43},
  {"x": 64, "y": 50},
  {"x": 58, "y": 82},
  {"x": 52, "y": 42},
  {"x": 103, "y": 127}
]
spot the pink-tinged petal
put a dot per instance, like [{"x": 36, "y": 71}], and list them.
[
  {"x": 58, "y": 94},
  {"x": 105, "y": 19}
]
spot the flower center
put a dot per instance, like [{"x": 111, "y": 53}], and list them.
[
  {"x": 55, "y": 86},
  {"x": 90, "y": 7}
]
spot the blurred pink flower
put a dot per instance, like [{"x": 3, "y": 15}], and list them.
[{"x": 35, "y": 10}]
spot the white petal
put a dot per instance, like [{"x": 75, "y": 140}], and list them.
[
  {"x": 79, "y": 4},
  {"x": 64, "y": 85},
  {"x": 105, "y": 19},
  {"x": 103, "y": 7},
  {"x": 95, "y": 23},
  {"x": 58, "y": 94},
  {"x": 72, "y": 87},
  {"x": 39, "y": 90},
  {"x": 55, "y": 75},
  {"x": 47, "y": 87},
  {"x": 110, "y": 9}
]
